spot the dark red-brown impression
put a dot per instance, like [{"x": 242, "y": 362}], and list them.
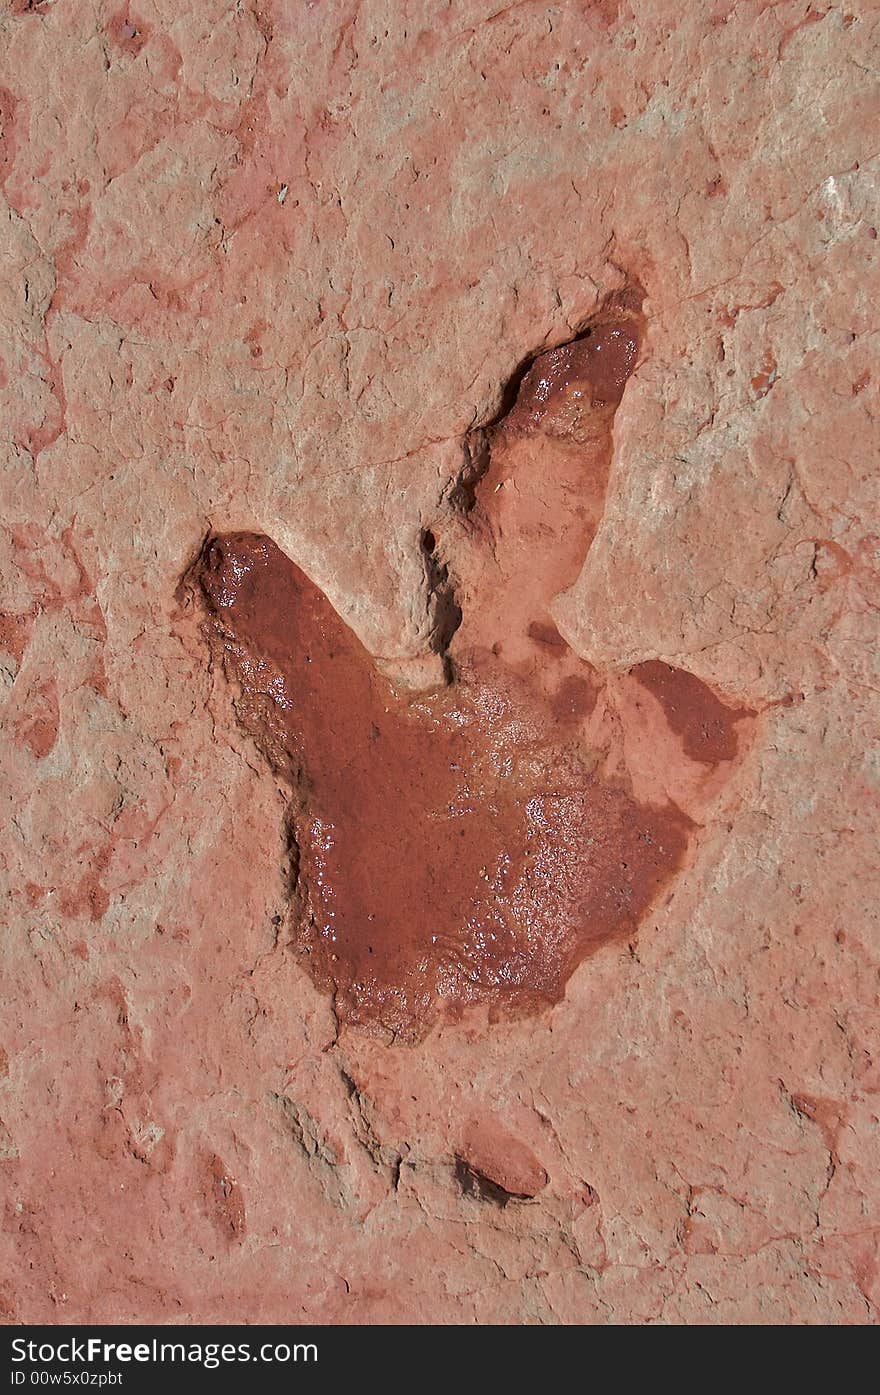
[
  {"x": 706, "y": 726},
  {"x": 462, "y": 847}
]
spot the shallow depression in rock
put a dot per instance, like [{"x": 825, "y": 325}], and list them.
[{"x": 471, "y": 845}]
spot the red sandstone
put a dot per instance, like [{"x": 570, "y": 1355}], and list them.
[{"x": 269, "y": 270}]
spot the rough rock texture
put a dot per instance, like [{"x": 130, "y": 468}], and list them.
[{"x": 272, "y": 267}]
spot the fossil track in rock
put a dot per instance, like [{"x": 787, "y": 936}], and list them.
[{"x": 474, "y": 844}]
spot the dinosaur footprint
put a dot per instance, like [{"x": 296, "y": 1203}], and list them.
[{"x": 475, "y": 844}]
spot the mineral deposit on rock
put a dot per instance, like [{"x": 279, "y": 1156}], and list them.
[{"x": 438, "y": 643}]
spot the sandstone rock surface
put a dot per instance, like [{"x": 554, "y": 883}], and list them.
[{"x": 272, "y": 268}]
